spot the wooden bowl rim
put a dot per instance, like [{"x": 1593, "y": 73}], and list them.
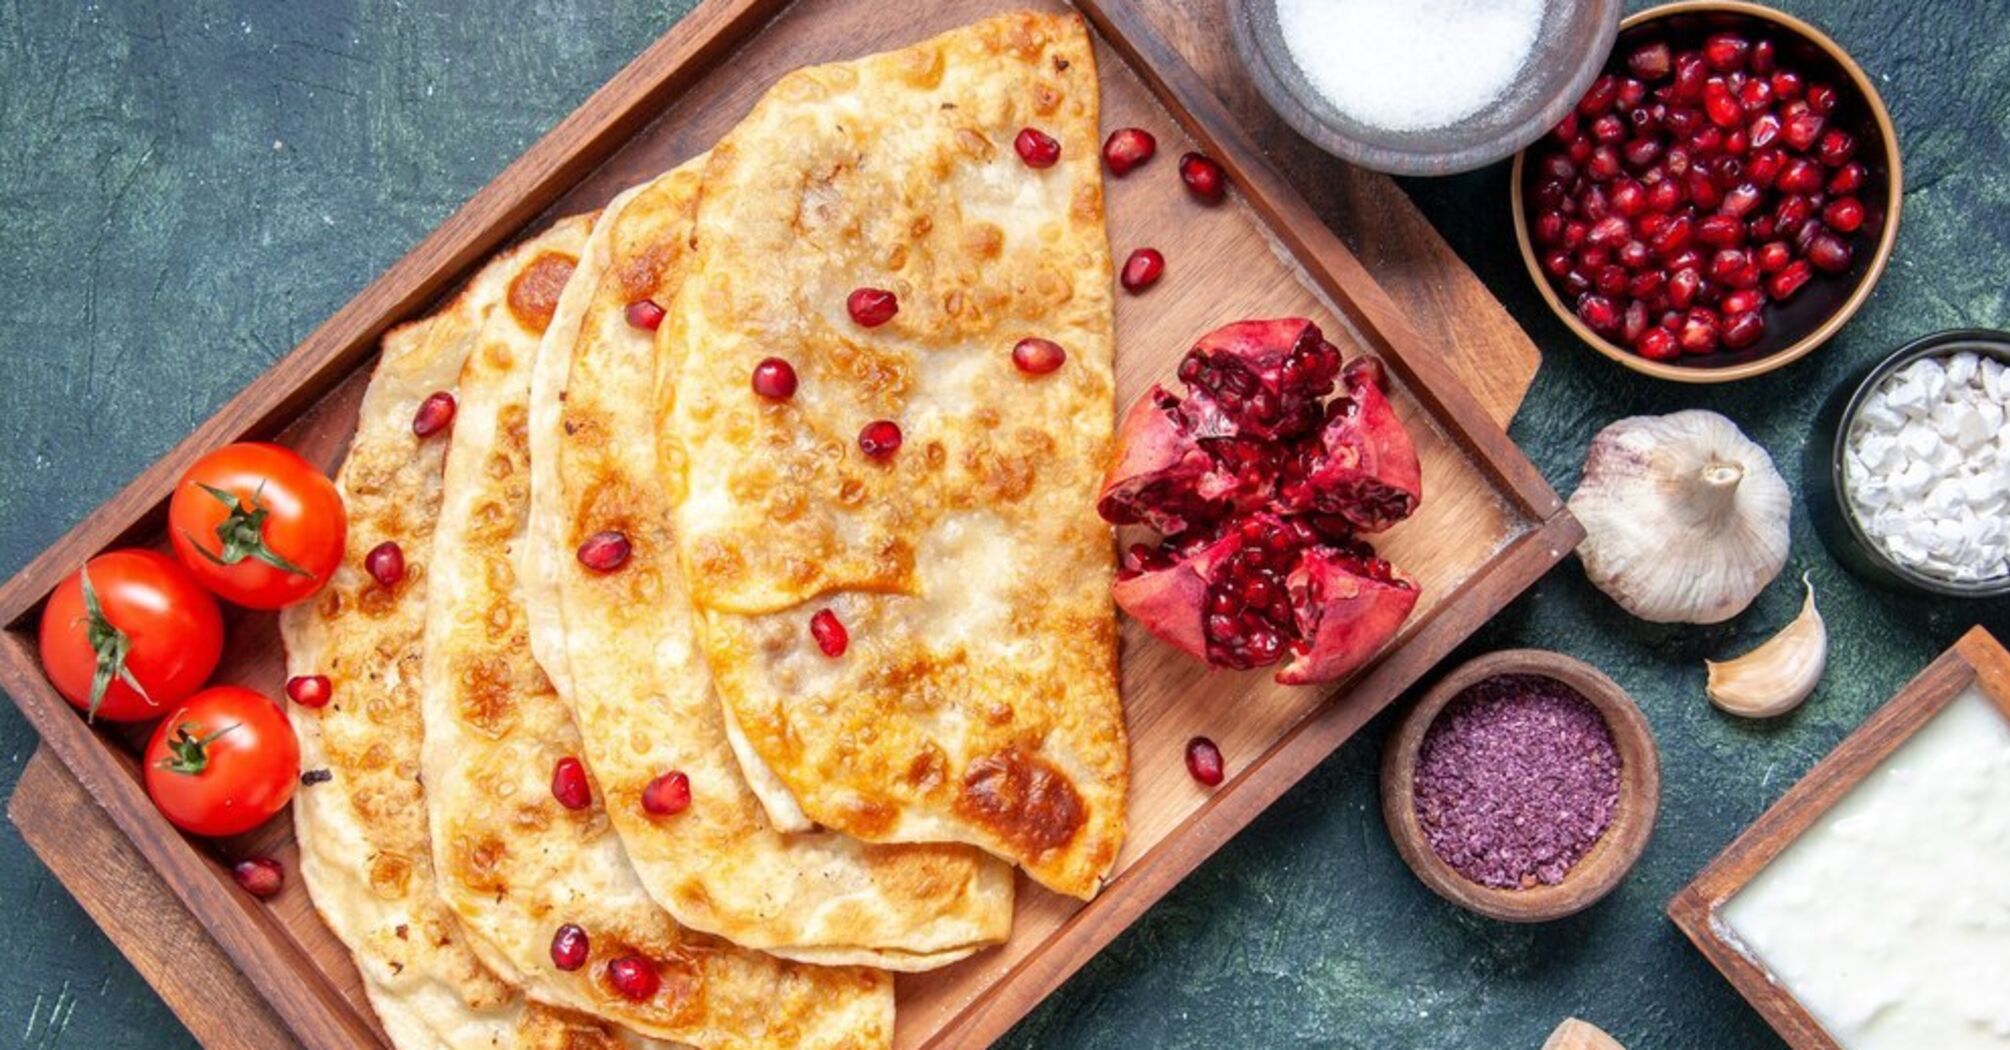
[
  {"x": 1599, "y": 871},
  {"x": 1894, "y": 197}
]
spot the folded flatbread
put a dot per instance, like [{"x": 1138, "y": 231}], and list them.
[
  {"x": 622, "y": 647},
  {"x": 978, "y": 699},
  {"x": 365, "y": 850},
  {"x": 514, "y": 863}
]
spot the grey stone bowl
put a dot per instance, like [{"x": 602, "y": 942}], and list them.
[{"x": 1575, "y": 38}]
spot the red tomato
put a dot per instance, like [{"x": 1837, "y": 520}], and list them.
[
  {"x": 130, "y": 635},
  {"x": 258, "y": 525},
  {"x": 223, "y": 762}
]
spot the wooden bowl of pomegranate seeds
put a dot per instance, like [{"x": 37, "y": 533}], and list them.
[
  {"x": 1523, "y": 786},
  {"x": 1721, "y": 202}
]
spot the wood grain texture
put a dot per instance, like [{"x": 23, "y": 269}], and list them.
[
  {"x": 1976, "y": 659},
  {"x": 661, "y": 110}
]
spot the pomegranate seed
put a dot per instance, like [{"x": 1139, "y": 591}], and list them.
[
  {"x": 1682, "y": 288},
  {"x": 1204, "y": 177},
  {"x": 1755, "y": 96},
  {"x": 1836, "y": 147},
  {"x": 436, "y": 413},
  {"x": 644, "y": 313},
  {"x": 1642, "y": 152},
  {"x": 1742, "y": 301},
  {"x": 309, "y": 690},
  {"x": 1603, "y": 93},
  {"x": 1787, "y": 85},
  {"x": 1608, "y": 231},
  {"x": 1651, "y": 62},
  {"x": 1203, "y": 760},
  {"x": 1549, "y": 227},
  {"x": 1609, "y": 128},
  {"x": 262, "y": 877},
  {"x": 872, "y": 307},
  {"x": 880, "y": 439},
  {"x": 1800, "y": 175},
  {"x": 1829, "y": 253},
  {"x": 1604, "y": 164},
  {"x": 1037, "y": 148},
  {"x": 1774, "y": 256},
  {"x": 1847, "y": 180},
  {"x": 1566, "y": 129},
  {"x": 775, "y": 379},
  {"x": 1142, "y": 270},
  {"x": 1782, "y": 286},
  {"x": 1656, "y": 344},
  {"x": 1738, "y": 202},
  {"x": 1634, "y": 323},
  {"x": 1763, "y": 131},
  {"x": 1726, "y": 51},
  {"x": 568, "y": 784},
  {"x": 1369, "y": 370},
  {"x": 634, "y": 977},
  {"x": 1126, "y": 148},
  {"x": 1598, "y": 313},
  {"x": 1844, "y": 215},
  {"x": 829, "y": 632},
  {"x": 1765, "y": 57},
  {"x": 1631, "y": 93},
  {"x": 604, "y": 551},
  {"x": 1822, "y": 99},
  {"x": 1721, "y": 106},
  {"x": 1721, "y": 230},
  {"x": 1556, "y": 263},
  {"x": 1699, "y": 332},
  {"x": 1765, "y": 166},
  {"x": 1802, "y": 129},
  {"x": 1634, "y": 255},
  {"x": 385, "y": 563},
  {"x": 1727, "y": 263},
  {"x": 1742, "y": 330},
  {"x": 569, "y": 947},
  {"x": 1037, "y": 357},
  {"x": 667, "y": 795}
]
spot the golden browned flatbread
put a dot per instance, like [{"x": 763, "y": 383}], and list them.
[
  {"x": 365, "y": 851},
  {"x": 977, "y": 701},
  {"x": 622, "y": 647},
  {"x": 515, "y": 864}
]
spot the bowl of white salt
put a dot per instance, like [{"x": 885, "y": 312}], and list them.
[{"x": 1423, "y": 87}]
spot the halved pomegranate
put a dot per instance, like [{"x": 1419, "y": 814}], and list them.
[{"x": 1261, "y": 488}]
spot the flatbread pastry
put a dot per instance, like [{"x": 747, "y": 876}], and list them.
[
  {"x": 365, "y": 850},
  {"x": 977, "y": 698},
  {"x": 514, "y": 863},
  {"x": 622, "y": 647}
]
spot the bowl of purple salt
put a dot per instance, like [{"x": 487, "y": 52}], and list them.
[{"x": 1523, "y": 786}]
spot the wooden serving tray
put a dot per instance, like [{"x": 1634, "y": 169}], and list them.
[
  {"x": 1488, "y": 528},
  {"x": 1977, "y": 658}
]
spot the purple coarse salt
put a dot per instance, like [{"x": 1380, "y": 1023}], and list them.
[{"x": 1516, "y": 780}]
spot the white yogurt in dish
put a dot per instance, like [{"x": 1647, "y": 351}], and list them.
[
  {"x": 1927, "y": 466},
  {"x": 1889, "y": 919},
  {"x": 1410, "y": 65}
]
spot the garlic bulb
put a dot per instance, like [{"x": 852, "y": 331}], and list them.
[
  {"x": 1685, "y": 518},
  {"x": 1574, "y": 1034},
  {"x": 1774, "y": 678}
]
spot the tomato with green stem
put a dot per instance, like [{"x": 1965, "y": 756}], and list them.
[
  {"x": 257, "y": 524},
  {"x": 130, "y": 635},
  {"x": 223, "y": 762}
]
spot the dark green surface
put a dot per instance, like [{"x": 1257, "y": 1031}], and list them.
[{"x": 187, "y": 188}]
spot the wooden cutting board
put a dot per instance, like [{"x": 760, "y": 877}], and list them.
[{"x": 1448, "y": 306}]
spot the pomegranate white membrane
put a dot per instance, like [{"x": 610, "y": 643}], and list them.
[{"x": 1410, "y": 65}]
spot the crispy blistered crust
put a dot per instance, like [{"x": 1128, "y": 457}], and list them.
[
  {"x": 623, "y": 649},
  {"x": 978, "y": 702},
  {"x": 513, "y": 863}
]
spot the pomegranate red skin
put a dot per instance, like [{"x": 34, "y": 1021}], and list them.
[
  {"x": 1369, "y": 458},
  {"x": 1355, "y": 616}
]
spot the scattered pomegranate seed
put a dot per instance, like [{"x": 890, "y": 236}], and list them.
[
  {"x": 568, "y": 784},
  {"x": 262, "y": 877},
  {"x": 1142, "y": 270},
  {"x": 880, "y": 439},
  {"x": 644, "y": 313},
  {"x": 634, "y": 977},
  {"x": 605, "y": 551},
  {"x": 775, "y": 379},
  {"x": 309, "y": 690},
  {"x": 1037, "y": 357},
  {"x": 1037, "y": 148},
  {"x": 1204, "y": 177},
  {"x": 1126, "y": 148},
  {"x": 385, "y": 563},
  {"x": 829, "y": 632},
  {"x": 569, "y": 947},
  {"x": 872, "y": 307},
  {"x": 436, "y": 413},
  {"x": 1203, "y": 760},
  {"x": 667, "y": 795}
]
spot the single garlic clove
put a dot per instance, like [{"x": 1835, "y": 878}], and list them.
[
  {"x": 1774, "y": 678},
  {"x": 1574, "y": 1034}
]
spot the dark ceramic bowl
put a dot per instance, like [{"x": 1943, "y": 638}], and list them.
[
  {"x": 1822, "y": 471},
  {"x": 1573, "y": 42},
  {"x": 1794, "y": 328}
]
